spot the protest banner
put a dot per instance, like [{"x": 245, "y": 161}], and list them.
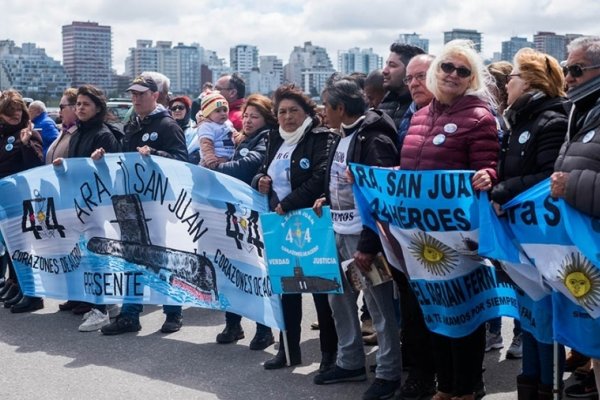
[
  {"x": 538, "y": 222},
  {"x": 301, "y": 252},
  {"x": 139, "y": 229},
  {"x": 433, "y": 217}
]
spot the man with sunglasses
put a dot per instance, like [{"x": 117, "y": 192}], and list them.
[{"x": 577, "y": 176}]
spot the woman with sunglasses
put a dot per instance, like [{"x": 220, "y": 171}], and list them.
[
  {"x": 180, "y": 107},
  {"x": 456, "y": 131},
  {"x": 60, "y": 147},
  {"x": 20, "y": 149},
  {"x": 537, "y": 119}
]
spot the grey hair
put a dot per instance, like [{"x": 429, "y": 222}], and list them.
[
  {"x": 38, "y": 104},
  {"x": 345, "y": 91},
  {"x": 481, "y": 79},
  {"x": 162, "y": 82},
  {"x": 590, "y": 45}
]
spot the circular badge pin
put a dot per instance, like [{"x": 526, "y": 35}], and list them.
[
  {"x": 304, "y": 163},
  {"x": 153, "y": 136},
  {"x": 589, "y": 136},
  {"x": 244, "y": 152},
  {"x": 524, "y": 137},
  {"x": 11, "y": 139},
  {"x": 145, "y": 137},
  {"x": 439, "y": 139},
  {"x": 8, "y": 147},
  {"x": 450, "y": 128}
]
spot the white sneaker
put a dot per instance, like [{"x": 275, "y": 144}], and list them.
[
  {"x": 516, "y": 348},
  {"x": 94, "y": 321}
]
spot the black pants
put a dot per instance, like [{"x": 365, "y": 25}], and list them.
[
  {"x": 416, "y": 338},
  {"x": 235, "y": 319},
  {"x": 458, "y": 361},
  {"x": 292, "y": 315}
]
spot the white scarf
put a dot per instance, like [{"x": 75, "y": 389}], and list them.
[{"x": 291, "y": 138}]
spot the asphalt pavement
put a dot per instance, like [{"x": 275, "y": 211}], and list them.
[{"x": 44, "y": 356}]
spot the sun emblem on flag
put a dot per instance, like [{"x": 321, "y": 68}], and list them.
[
  {"x": 582, "y": 280},
  {"x": 435, "y": 256}
]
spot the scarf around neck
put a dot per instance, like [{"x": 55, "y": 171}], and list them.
[{"x": 294, "y": 137}]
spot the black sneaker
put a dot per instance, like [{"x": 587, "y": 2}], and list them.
[
  {"x": 173, "y": 323},
  {"x": 415, "y": 388},
  {"x": 262, "y": 340},
  {"x": 381, "y": 389},
  {"x": 339, "y": 374},
  {"x": 584, "y": 390},
  {"x": 230, "y": 334},
  {"x": 121, "y": 324}
]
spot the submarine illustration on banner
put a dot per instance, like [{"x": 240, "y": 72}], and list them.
[
  {"x": 191, "y": 272},
  {"x": 300, "y": 283}
]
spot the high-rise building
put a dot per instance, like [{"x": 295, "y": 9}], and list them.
[
  {"x": 243, "y": 58},
  {"x": 414, "y": 39},
  {"x": 469, "y": 34},
  {"x": 551, "y": 43},
  {"x": 510, "y": 47},
  {"x": 180, "y": 63},
  {"x": 87, "y": 54},
  {"x": 30, "y": 71},
  {"x": 271, "y": 73},
  {"x": 357, "y": 60},
  {"x": 309, "y": 67}
]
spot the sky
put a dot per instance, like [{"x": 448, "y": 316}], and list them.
[{"x": 276, "y": 26}]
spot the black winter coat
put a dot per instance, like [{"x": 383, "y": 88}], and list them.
[
  {"x": 530, "y": 148},
  {"x": 14, "y": 155},
  {"x": 375, "y": 143},
  {"x": 580, "y": 154},
  {"x": 307, "y": 184},
  {"x": 92, "y": 135},
  {"x": 160, "y": 132},
  {"x": 248, "y": 157},
  {"x": 395, "y": 105}
]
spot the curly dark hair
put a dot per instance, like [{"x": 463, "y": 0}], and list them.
[{"x": 292, "y": 92}]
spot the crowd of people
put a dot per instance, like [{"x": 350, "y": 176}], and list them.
[{"x": 514, "y": 124}]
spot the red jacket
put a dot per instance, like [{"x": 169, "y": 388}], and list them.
[
  {"x": 235, "y": 113},
  {"x": 461, "y": 136}
]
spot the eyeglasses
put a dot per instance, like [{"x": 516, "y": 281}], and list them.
[
  {"x": 63, "y": 106},
  {"x": 576, "y": 70},
  {"x": 449, "y": 68},
  {"x": 419, "y": 77},
  {"x": 510, "y": 76},
  {"x": 177, "y": 108}
]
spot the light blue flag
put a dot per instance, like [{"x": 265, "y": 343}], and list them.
[
  {"x": 433, "y": 218},
  {"x": 301, "y": 252},
  {"x": 538, "y": 221},
  {"x": 139, "y": 229}
]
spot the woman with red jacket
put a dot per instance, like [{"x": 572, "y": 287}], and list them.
[{"x": 456, "y": 131}]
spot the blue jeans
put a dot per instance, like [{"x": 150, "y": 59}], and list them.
[
  {"x": 133, "y": 310},
  {"x": 538, "y": 359}
]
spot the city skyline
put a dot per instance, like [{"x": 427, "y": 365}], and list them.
[{"x": 276, "y": 27}]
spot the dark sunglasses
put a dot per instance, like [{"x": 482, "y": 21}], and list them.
[
  {"x": 177, "y": 108},
  {"x": 449, "y": 68},
  {"x": 63, "y": 106},
  {"x": 577, "y": 70}
]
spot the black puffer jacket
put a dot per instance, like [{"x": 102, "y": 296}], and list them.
[
  {"x": 307, "y": 183},
  {"x": 159, "y": 131},
  {"x": 248, "y": 157},
  {"x": 530, "y": 148},
  {"x": 92, "y": 135},
  {"x": 375, "y": 143},
  {"x": 580, "y": 154},
  {"x": 395, "y": 105}
]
